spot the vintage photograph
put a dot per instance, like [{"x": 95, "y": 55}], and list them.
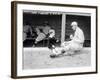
[
  {"x": 53, "y": 39},
  {"x": 65, "y": 39}
]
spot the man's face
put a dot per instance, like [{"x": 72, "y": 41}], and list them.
[{"x": 74, "y": 27}]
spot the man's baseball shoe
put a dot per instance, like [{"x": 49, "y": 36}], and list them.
[
  {"x": 53, "y": 55},
  {"x": 63, "y": 51},
  {"x": 51, "y": 47}
]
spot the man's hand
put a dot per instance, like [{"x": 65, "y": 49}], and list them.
[{"x": 71, "y": 36}]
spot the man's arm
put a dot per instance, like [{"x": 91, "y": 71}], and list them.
[{"x": 79, "y": 37}]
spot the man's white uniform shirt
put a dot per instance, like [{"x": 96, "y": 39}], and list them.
[{"x": 77, "y": 41}]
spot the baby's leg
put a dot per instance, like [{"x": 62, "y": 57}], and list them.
[{"x": 59, "y": 51}]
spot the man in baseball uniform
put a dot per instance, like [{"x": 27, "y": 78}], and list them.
[{"x": 75, "y": 44}]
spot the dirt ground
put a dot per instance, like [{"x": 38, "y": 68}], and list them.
[{"x": 38, "y": 59}]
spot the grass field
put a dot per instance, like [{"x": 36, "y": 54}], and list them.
[{"x": 39, "y": 58}]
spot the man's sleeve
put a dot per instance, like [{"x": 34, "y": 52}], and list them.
[{"x": 79, "y": 37}]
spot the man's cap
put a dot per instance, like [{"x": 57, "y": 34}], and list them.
[{"x": 74, "y": 23}]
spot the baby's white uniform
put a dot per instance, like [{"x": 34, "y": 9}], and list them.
[
  {"x": 52, "y": 33},
  {"x": 40, "y": 36}
]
